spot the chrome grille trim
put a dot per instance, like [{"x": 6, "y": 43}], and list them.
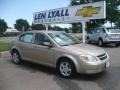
[{"x": 103, "y": 56}]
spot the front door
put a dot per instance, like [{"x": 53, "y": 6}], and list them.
[{"x": 43, "y": 54}]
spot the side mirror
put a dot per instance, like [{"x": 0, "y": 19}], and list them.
[{"x": 48, "y": 44}]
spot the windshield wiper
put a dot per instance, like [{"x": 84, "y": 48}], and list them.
[
  {"x": 66, "y": 45},
  {"x": 75, "y": 43},
  {"x": 71, "y": 44}
]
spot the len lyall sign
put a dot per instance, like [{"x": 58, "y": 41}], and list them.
[{"x": 71, "y": 14}]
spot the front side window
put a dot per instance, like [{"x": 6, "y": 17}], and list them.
[
  {"x": 28, "y": 37},
  {"x": 40, "y": 39},
  {"x": 64, "y": 39},
  {"x": 103, "y": 30}
]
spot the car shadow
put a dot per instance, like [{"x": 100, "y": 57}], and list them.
[
  {"x": 109, "y": 46},
  {"x": 106, "y": 80},
  {"x": 34, "y": 67},
  {"x": 89, "y": 77}
]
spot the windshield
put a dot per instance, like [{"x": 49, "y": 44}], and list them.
[
  {"x": 64, "y": 39},
  {"x": 113, "y": 30}
]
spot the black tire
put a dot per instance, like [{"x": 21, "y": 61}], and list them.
[
  {"x": 117, "y": 44},
  {"x": 16, "y": 59},
  {"x": 100, "y": 42},
  {"x": 88, "y": 40},
  {"x": 67, "y": 74}
]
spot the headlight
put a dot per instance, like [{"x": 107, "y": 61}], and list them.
[{"x": 88, "y": 58}]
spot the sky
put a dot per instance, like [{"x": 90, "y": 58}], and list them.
[{"x": 11, "y": 10}]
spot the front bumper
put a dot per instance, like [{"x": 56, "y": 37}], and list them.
[
  {"x": 98, "y": 69},
  {"x": 108, "y": 42},
  {"x": 93, "y": 68}
]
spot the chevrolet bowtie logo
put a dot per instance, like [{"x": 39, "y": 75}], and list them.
[{"x": 88, "y": 11}]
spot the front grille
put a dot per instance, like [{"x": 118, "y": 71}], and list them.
[{"x": 103, "y": 56}]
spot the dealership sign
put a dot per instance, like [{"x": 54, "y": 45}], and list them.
[{"x": 71, "y": 14}]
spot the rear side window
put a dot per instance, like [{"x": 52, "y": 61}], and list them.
[
  {"x": 93, "y": 31},
  {"x": 28, "y": 37},
  {"x": 97, "y": 30}
]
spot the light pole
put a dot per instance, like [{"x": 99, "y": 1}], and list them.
[{"x": 23, "y": 28}]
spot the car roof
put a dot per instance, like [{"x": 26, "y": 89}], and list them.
[{"x": 44, "y": 31}]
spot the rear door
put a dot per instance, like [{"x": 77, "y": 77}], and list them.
[
  {"x": 97, "y": 34},
  {"x": 100, "y": 34},
  {"x": 92, "y": 37},
  {"x": 26, "y": 46}
]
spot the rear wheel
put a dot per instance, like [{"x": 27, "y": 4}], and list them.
[
  {"x": 88, "y": 40},
  {"x": 66, "y": 68},
  {"x": 117, "y": 44},
  {"x": 100, "y": 42},
  {"x": 16, "y": 57}
]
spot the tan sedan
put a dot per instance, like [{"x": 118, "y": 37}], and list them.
[{"x": 60, "y": 50}]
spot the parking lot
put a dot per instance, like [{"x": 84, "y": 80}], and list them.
[{"x": 29, "y": 76}]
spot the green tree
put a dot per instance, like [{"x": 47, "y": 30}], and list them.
[
  {"x": 38, "y": 27},
  {"x": 66, "y": 30},
  {"x": 50, "y": 27},
  {"x": 113, "y": 13},
  {"x": 21, "y": 24},
  {"x": 57, "y": 28},
  {"x": 3, "y": 26},
  {"x": 76, "y": 27}
]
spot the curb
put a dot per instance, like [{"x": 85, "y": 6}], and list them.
[{"x": 4, "y": 54}]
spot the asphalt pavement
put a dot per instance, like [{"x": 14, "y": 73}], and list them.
[{"x": 31, "y": 76}]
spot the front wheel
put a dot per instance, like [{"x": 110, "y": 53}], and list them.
[
  {"x": 100, "y": 42},
  {"x": 16, "y": 57},
  {"x": 66, "y": 68}
]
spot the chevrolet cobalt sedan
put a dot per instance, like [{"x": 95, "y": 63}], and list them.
[{"x": 59, "y": 50}]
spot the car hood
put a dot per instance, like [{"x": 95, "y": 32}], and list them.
[{"x": 85, "y": 49}]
